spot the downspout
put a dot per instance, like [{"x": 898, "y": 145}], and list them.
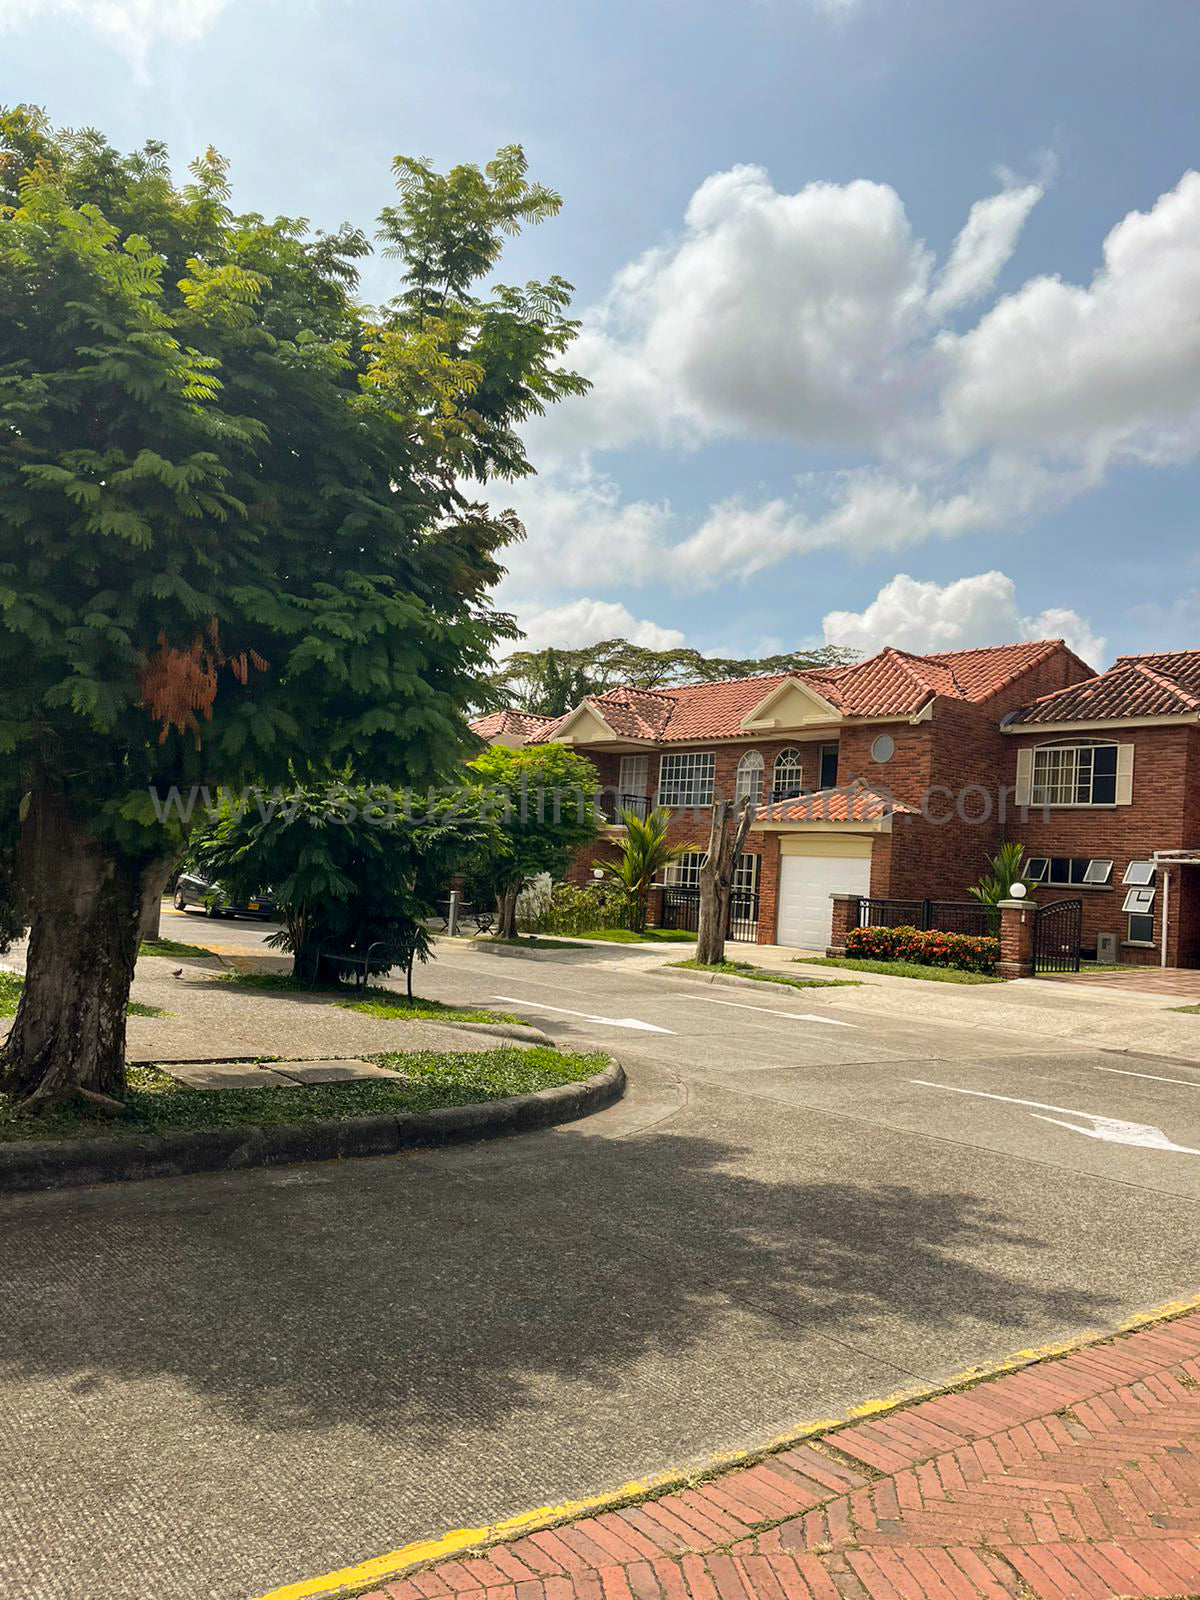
[{"x": 1166, "y": 912}]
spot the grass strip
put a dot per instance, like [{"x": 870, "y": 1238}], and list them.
[
  {"x": 370, "y": 1001},
  {"x": 743, "y": 969},
  {"x": 173, "y": 947},
  {"x": 899, "y": 969},
  {"x": 424, "y": 1081}
]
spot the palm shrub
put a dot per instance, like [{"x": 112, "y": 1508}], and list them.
[
  {"x": 1004, "y": 869},
  {"x": 644, "y": 851}
]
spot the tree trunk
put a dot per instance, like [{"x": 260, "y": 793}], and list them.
[
  {"x": 506, "y": 911},
  {"x": 726, "y": 837},
  {"x": 86, "y": 910}
]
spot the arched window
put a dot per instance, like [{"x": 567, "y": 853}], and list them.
[
  {"x": 749, "y": 778},
  {"x": 788, "y": 778}
]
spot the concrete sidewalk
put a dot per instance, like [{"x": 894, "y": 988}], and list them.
[{"x": 1072, "y": 1479}]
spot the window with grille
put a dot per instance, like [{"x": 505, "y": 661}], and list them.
[
  {"x": 1074, "y": 775},
  {"x": 749, "y": 778},
  {"x": 684, "y": 873},
  {"x": 745, "y": 874},
  {"x": 787, "y": 780},
  {"x": 687, "y": 779}
]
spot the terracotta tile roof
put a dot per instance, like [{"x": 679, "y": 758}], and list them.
[
  {"x": 523, "y": 724},
  {"x": 834, "y": 805},
  {"x": 891, "y": 683},
  {"x": 1134, "y": 686}
]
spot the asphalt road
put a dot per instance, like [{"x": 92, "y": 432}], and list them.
[{"x": 213, "y": 1386}]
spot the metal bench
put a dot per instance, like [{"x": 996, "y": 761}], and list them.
[{"x": 379, "y": 957}]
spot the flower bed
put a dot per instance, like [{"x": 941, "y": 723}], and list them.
[{"x": 966, "y": 952}]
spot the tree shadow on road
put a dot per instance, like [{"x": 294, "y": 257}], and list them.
[{"x": 445, "y": 1291}]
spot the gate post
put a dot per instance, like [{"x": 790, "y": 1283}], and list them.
[
  {"x": 846, "y": 909},
  {"x": 1017, "y": 921}
]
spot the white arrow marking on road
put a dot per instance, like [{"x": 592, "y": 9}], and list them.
[
  {"x": 1111, "y": 1129},
  {"x": 770, "y": 1011},
  {"x": 605, "y": 1022}
]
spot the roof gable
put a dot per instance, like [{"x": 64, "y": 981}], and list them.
[
  {"x": 794, "y": 703},
  {"x": 1160, "y": 685}
]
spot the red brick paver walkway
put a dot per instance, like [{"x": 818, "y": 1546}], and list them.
[{"x": 1077, "y": 1477}]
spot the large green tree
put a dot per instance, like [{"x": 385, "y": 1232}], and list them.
[
  {"x": 238, "y": 535},
  {"x": 542, "y": 797},
  {"x": 552, "y": 681}
]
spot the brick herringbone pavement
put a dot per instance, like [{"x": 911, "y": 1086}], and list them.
[{"x": 1077, "y": 1477}]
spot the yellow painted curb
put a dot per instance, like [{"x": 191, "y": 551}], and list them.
[{"x": 384, "y": 1569}]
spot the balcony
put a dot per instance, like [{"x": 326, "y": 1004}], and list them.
[{"x": 613, "y": 806}]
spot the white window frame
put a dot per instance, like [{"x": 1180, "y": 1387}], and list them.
[
  {"x": 684, "y": 871},
  {"x": 751, "y": 775},
  {"x": 1071, "y": 780},
  {"x": 1037, "y": 869},
  {"x": 745, "y": 873},
  {"x": 1139, "y": 902},
  {"x": 1096, "y": 875},
  {"x": 1137, "y": 916},
  {"x": 1140, "y": 874},
  {"x": 786, "y": 762},
  {"x": 635, "y": 785},
  {"x": 686, "y": 778}
]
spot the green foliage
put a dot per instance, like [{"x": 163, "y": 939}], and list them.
[
  {"x": 425, "y": 1080},
  {"x": 541, "y": 798},
  {"x": 745, "y": 969},
  {"x": 573, "y": 908},
  {"x": 644, "y": 852},
  {"x": 551, "y": 682},
  {"x": 346, "y": 867},
  {"x": 965, "y": 951},
  {"x": 237, "y": 533},
  {"x": 1004, "y": 869}
]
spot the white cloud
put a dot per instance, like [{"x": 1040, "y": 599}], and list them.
[
  {"x": 980, "y": 610},
  {"x": 585, "y": 621},
  {"x": 986, "y": 242},
  {"x": 819, "y": 317},
  {"x": 131, "y": 26}
]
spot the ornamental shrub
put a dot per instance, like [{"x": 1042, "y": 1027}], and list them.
[
  {"x": 574, "y": 909},
  {"x": 966, "y": 952}
]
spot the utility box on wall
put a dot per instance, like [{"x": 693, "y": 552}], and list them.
[{"x": 1106, "y": 949}]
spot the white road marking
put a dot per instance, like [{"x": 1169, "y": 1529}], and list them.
[
  {"x": 1112, "y": 1129},
  {"x": 605, "y": 1022},
  {"x": 1125, "y": 1073},
  {"x": 770, "y": 1011}
]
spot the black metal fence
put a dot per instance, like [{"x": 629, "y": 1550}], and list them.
[
  {"x": 947, "y": 916},
  {"x": 681, "y": 909}
]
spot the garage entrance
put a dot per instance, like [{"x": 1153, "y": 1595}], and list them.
[{"x": 810, "y": 870}]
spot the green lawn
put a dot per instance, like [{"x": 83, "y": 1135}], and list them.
[
  {"x": 900, "y": 969},
  {"x": 372, "y": 1000},
  {"x": 425, "y": 1080},
  {"x": 743, "y": 969},
  {"x": 11, "y": 984},
  {"x": 1189, "y": 1009},
  {"x": 651, "y": 936},
  {"x": 528, "y": 941},
  {"x": 172, "y": 947}
]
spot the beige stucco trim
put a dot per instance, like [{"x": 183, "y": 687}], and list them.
[
  {"x": 850, "y": 846},
  {"x": 1050, "y": 730},
  {"x": 790, "y": 704}
]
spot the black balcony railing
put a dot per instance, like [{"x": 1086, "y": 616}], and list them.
[
  {"x": 787, "y": 791},
  {"x": 613, "y": 806}
]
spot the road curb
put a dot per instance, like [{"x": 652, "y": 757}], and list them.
[
  {"x": 358, "y": 1580},
  {"x": 125, "y": 1158}
]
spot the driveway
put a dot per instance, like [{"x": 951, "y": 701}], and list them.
[{"x": 214, "y": 1386}]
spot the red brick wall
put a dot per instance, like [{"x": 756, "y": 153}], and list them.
[{"x": 1165, "y": 815}]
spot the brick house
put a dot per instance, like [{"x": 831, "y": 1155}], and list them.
[{"x": 899, "y": 776}]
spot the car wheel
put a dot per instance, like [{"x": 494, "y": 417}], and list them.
[{"x": 180, "y": 900}]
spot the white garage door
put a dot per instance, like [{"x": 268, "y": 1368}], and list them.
[{"x": 805, "y": 884}]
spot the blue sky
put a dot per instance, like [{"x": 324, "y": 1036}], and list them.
[{"x": 832, "y": 400}]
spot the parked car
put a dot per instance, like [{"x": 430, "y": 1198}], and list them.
[{"x": 191, "y": 890}]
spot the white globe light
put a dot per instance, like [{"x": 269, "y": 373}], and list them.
[{"x": 1018, "y": 891}]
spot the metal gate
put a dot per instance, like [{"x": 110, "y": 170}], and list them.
[
  {"x": 681, "y": 909},
  {"x": 1056, "y": 933}
]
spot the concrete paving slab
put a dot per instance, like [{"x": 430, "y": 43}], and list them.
[
  {"x": 330, "y": 1071},
  {"x": 226, "y": 1075}
]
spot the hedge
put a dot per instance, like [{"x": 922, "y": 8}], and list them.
[{"x": 966, "y": 951}]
